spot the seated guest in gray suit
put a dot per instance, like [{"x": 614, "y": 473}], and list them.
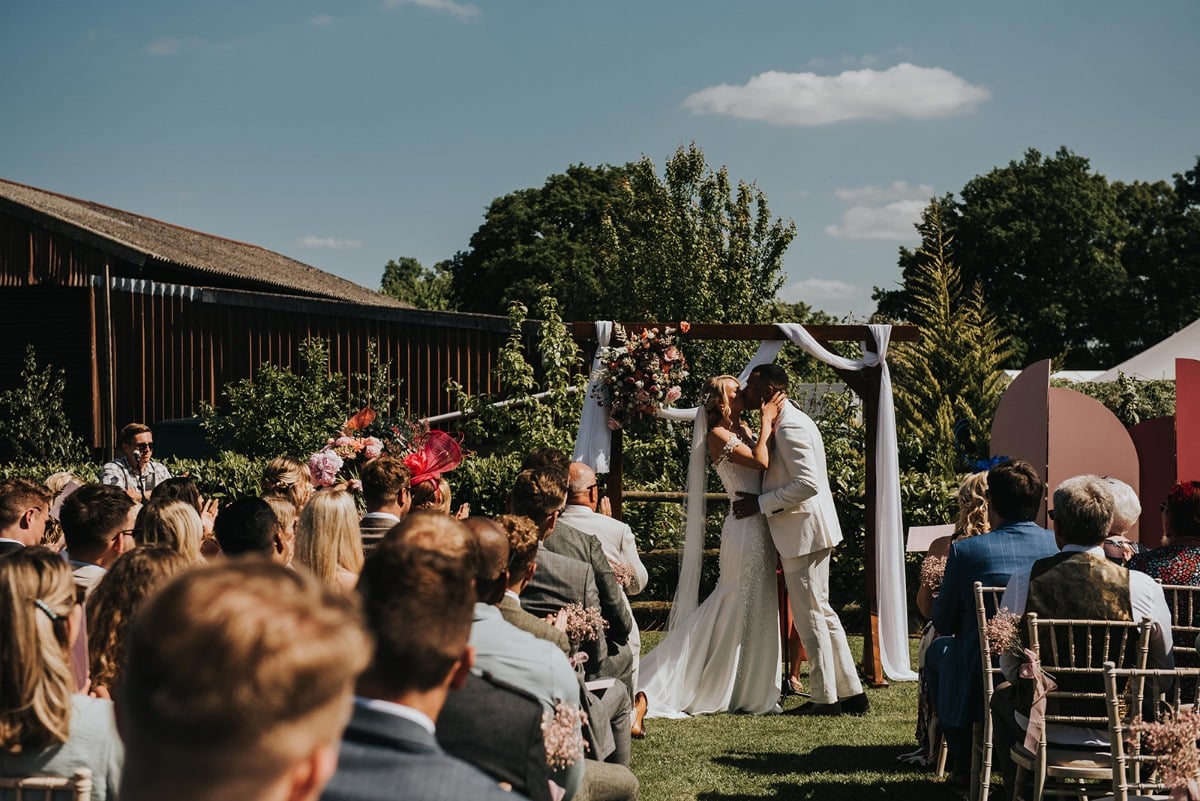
[
  {"x": 523, "y": 540},
  {"x": 540, "y": 494},
  {"x": 385, "y": 492},
  {"x": 239, "y": 683},
  {"x": 418, "y": 603}
]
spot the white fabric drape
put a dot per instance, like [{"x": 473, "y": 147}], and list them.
[{"x": 594, "y": 443}]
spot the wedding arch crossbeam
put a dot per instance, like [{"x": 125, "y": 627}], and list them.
[{"x": 885, "y": 647}]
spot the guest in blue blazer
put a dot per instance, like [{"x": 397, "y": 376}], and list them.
[
  {"x": 418, "y": 598},
  {"x": 1015, "y": 494}
]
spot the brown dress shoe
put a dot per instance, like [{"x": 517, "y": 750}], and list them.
[{"x": 640, "y": 704}]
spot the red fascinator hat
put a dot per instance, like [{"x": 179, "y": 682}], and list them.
[{"x": 439, "y": 453}]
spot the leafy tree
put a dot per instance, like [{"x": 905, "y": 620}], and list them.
[
  {"x": 280, "y": 412},
  {"x": 1077, "y": 269},
  {"x": 531, "y": 238},
  {"x": 407, "y": 281},
  {"x": 954, "y": 371},
  {"x": 33, "y": 423}
]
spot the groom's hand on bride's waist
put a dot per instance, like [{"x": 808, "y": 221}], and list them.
[{"x": 746, "y": 505}]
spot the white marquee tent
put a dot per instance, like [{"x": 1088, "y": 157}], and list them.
[{"x": 1158, "y": 361}]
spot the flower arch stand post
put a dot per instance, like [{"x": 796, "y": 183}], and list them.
[{"x": 865, "y": 383}]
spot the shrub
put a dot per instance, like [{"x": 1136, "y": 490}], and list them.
[{"x": 33, "y": 424}]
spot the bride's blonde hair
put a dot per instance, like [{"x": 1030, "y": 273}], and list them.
[{"x": 716, "y": 397}]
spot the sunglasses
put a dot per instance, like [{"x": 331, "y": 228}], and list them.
[{"x": 144, "y": 446}]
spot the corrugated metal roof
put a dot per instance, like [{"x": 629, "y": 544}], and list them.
[{"x": 171, "y": 244}]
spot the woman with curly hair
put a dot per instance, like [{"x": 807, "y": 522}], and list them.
[
  {"x": 328, "y": 540},
  {"x": 117, "y": 597},
  {"x": 45, "y": 727},
  {"x": 972, "y": 521}
]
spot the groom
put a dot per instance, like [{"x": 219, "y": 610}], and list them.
[{"x": 800, "y": 513}]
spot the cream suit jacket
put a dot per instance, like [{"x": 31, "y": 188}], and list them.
[{"x": 796, "y": 498}]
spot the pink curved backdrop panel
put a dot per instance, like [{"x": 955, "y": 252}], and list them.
[
  {"x": 1155, "y": 443},
  {"x": 1020, "y": 428},
  {"x": 1085, "y": 437},
  {"x": 1187, "y": 420}
]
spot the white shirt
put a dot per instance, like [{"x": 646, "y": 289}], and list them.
[
  {"x": 616, "y": 539},
  {"x": 1146, "y": 600},
  {"x": 399, "y": 710}
]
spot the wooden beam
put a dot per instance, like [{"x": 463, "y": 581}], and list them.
[{"x": 740, "y": 333}]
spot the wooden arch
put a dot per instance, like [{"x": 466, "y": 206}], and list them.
[{"x": 865, "y": 384}]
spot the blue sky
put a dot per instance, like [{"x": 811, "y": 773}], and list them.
[{"x": 346, "y": 133}]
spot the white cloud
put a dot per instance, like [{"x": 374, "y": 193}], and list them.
[
  {"x": 453, "y": 7},
  {"x": 899, "y": 190},
  {"x": 892, "y": 221},
  {"x": 321, "y": 21},
  {"x": 815, "y": 290},
  {"x": 805, "y": 98},
  {"x": 330, "y": 242}
]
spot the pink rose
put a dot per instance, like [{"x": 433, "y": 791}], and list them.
[
  {"x": 373, "y": 447},
  {"x": 324, "y": 466},
  {"x": 673, "y": 394}
]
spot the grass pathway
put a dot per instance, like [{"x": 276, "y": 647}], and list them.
[{"x": 734, "y": 757}]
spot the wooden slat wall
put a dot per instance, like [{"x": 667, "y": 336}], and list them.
[{"x": 176, "y": 346}]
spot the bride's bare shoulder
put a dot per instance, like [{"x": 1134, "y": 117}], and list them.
[{"x": 719, "y": 439}]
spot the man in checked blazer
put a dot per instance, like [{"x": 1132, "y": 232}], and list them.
[
  {"x": 418, "y": 598},
  {"x": 385, "y": 492}
]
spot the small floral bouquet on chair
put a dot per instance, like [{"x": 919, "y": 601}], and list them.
[
  {"x": 1174, "y": 741},
  {"x": 1004, "y": 633},
  {"x": 642, "y": 373},
  {"x": 563, "y": 735}
]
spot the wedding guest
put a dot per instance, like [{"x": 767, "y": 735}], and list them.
[
  {"x": 238, "y": 685},
  {"x": 249, "y": 526},
  {"x": 523, "y": 539},
  {"x": 538, "y": 667},
  {"x": 1126, "y": 511},
  {"x": 1177, "y": 560},
  {"x": 288, "y": 477},
  {"x": 418, "y": 605},
  {"x": 134, "y": 577},
  {"x": 385, "y": 492},
  {"x": 45, "y": 727},
  {"x": 286, "y": 515},
  {"x": 1015, "y": 494},
  {"x": 185, "y": 488},
  {"x": 52, "y": 537},
  {"x": 616, "y": 540},
  {"x": 171, "y": 523},
  {"x": 328, "y": 541},
  {"x": 24, "y": 510},
  {"x": 1077, "y": 583},
  {"x": 531, "y": 492},
  {"x": 98, "y": 522},
  {"x": 971, "y": 521},
  {"x": 135, "y": 472}
]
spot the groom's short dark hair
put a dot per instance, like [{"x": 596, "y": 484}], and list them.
[{"x": 773, "y": 374}]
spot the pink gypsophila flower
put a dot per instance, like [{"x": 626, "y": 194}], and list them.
[{"x": 562, "y": 731}]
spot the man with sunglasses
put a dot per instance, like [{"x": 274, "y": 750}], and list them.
[{"x": 134, "y": 471}]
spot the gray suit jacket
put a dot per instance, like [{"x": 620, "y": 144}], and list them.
[
  {"x": 560, "y": 580},
  {"x": 570, "y": 541},
  {"x": 373, "y": 529},
  {"x": 383, "y": 757},
  {"x": 510, "y": 609}
]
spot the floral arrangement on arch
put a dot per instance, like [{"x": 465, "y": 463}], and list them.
[{"x": 642, "y": 373}]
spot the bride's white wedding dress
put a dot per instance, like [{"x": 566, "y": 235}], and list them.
[{"x": 725, "y": 657}]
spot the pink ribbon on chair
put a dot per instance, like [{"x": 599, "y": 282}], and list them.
[{"x": 1031, "y": 668}]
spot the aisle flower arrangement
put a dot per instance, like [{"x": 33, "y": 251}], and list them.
[{"x": 642, "y": 373}]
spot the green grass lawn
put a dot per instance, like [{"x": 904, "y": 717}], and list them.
[{"x": 728, "y": 757}]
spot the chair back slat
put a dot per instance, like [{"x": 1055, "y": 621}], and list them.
[
  {"x": 77, "y": 787},
  {"x": 1128, "y": 693},
  {"x": 1184, "y": 602}
]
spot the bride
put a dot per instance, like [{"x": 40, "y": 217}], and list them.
[{"x": 723, "y": 656}]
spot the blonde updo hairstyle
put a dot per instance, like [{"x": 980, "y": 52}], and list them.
[
  {"x": 431, "y": 495},
  {"x": 37, "y": 599},
  {"x": 716, "y": 398},
  {"x": 288, "y": 477},
  {"x": 972, "y": 506}
]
